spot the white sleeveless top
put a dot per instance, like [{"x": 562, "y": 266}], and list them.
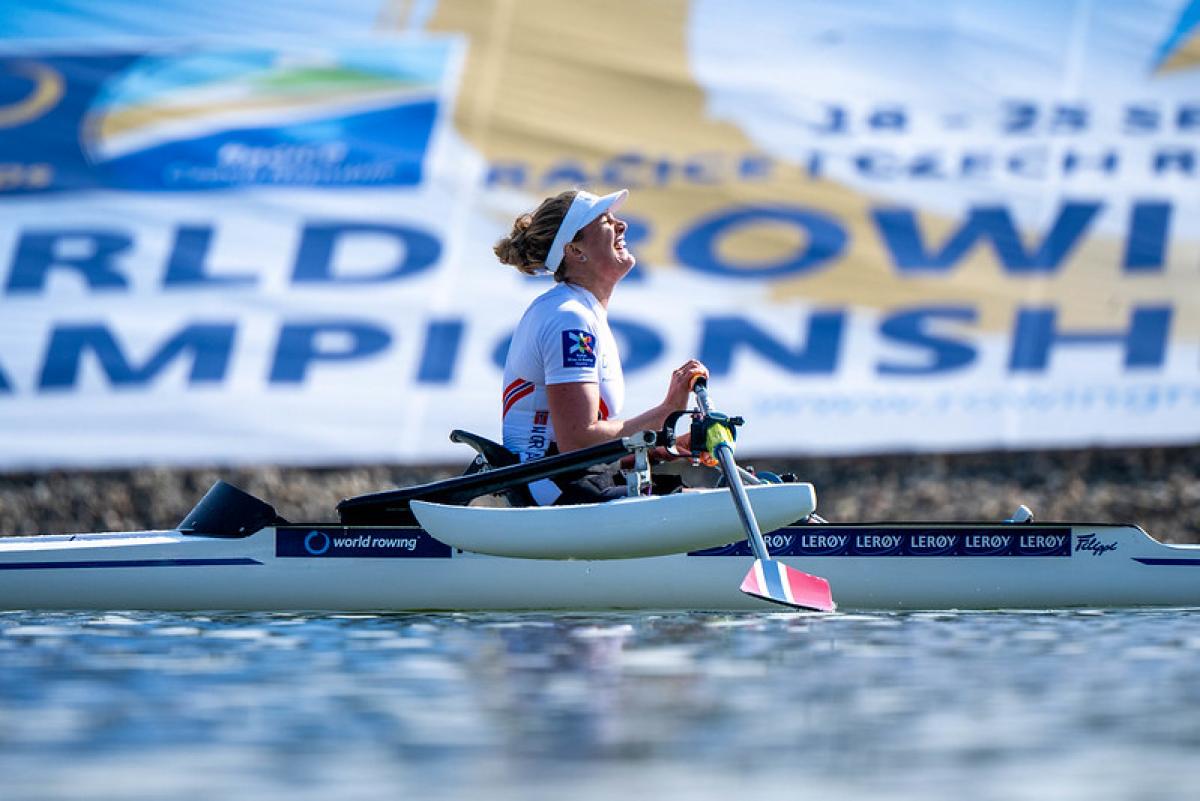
[{"x": 562, "y": 338}]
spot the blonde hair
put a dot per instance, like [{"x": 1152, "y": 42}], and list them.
[{"x": 532, "y": 234}]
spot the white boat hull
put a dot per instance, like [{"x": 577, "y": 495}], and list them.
[
  {"x": 912, "y": 566},
  {"x": 622, "y": 529}
]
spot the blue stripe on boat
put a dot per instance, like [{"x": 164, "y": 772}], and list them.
[
  {"x": 1150, "y": 561},
  {"x": 130, "y": 563}
]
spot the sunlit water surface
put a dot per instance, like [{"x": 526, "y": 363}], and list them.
[{"x": 1070, "y": 705}]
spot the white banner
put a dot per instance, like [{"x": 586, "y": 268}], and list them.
[{"x": 958, "y": 227}]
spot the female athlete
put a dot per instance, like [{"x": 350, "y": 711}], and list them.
[{"x": 563, "y": 385}]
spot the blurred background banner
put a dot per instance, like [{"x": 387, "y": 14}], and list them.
[{"x": 261, "y": 232}]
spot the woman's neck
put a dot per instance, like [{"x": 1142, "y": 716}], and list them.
[{"x": 600, "y": 288}]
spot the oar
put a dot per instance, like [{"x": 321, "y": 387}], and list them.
[{"x": 767, "y": 579}]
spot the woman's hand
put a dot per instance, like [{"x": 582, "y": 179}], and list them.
[{"x": 681, "y": 384}]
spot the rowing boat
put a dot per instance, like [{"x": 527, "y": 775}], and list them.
[
  {"x": 403, "y": 568},
  {"x": 429, "y": 547}
]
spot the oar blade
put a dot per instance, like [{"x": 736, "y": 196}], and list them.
[{"x": 776, "y": 582}]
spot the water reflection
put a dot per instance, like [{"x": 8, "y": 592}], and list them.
[{"x": 995, "y": 705}]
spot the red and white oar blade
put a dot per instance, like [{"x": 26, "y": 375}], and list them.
[{"x": 774, "y": 581}]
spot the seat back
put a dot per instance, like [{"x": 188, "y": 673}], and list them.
[
  {"x": 490, "y": 455},
  {"x": 493, "y": 453}
]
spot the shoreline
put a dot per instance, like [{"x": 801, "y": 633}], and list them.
[{"x": 1157, "y": 488}]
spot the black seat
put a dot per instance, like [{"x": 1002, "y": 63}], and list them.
[
  {"x": 491, "y": 455},
  {"x": 394, "y": 507}
]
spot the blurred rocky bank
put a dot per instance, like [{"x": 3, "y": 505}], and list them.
[{"x": 1158, "y": 488}]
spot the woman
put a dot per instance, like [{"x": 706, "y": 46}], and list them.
[{"x": 563, "y": 385}]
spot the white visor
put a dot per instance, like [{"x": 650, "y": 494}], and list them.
[{"x": 584, "y": 208}]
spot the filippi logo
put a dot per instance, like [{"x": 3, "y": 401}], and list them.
[
  {"x": 28, "y": 90},
  {"x": 1091, "y": 542}
]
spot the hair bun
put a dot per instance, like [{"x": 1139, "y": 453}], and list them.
[
  {"x": 508, "y": 252},
  {"x": 529, "y": 241}
]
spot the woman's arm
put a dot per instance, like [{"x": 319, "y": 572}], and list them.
[{"x": 575, "y": 407}]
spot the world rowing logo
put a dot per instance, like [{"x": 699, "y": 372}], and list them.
[
  {"x": 316, "y": 543},
  {"x": 579, "y": 348}
]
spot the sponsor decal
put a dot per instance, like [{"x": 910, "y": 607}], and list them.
[
  {"x": 579, "y": 348},
  {"x": 822, "y": 544},
  {"x": 779, "y": 541},
  {"x": 875, "y": 543},
  {"x": 1044, "y": 544},
  {"x": 358, "y": 543},
  {"x": 932, "y": 542},
  {"x": 1092, "y": 543},
  {"x": 987, "y": 544}
]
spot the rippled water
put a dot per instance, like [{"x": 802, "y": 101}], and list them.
[{"x": 1072, "y": 705}]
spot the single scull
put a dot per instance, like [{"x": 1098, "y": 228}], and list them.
[{"x": 431, "y": 547}]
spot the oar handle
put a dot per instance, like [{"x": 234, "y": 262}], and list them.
[{"x": 700, "y": 388}]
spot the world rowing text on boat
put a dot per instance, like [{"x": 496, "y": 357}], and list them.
[{"x": 334, "y": 543}]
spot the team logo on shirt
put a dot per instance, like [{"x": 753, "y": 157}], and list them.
[{"x": 579, "y": 348}]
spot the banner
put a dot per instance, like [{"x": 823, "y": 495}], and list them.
[{"x": 266, "y": 238}]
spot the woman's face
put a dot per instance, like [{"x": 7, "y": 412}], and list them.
[{"x": 603, "y": 242}]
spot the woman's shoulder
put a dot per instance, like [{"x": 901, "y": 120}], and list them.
[{"x": 559, "y": 304}]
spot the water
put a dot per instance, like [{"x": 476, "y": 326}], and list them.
[{"x": 1070, "y": 705}]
